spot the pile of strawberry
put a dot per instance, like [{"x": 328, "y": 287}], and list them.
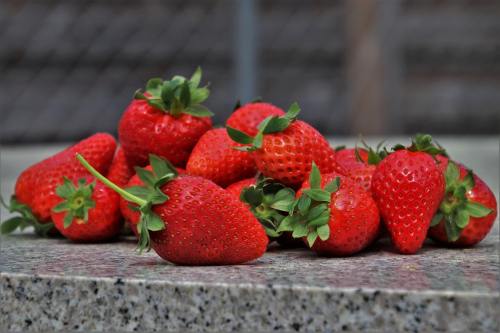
[{"x": 200, "y": 195}]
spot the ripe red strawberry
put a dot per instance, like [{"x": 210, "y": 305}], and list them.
[
  {"x": 285, "y": 147},
  {"x": 120, "y": 171},
  {"x": 353, "y": 162},
  {"x": 214, "y": 158},
  {"x": 129, "y": 214},
  {"x": 408, "y": 188},
  {"x": 189, "y": 220},
  {"x": 166, "y": 120},
  {"x": 87, "y": 211},
  {"x": 236, "y": 188},
  {"x": 468, "y": 211},
  {"x": 247, "y": 117},
  {"x": 333, "y": 208},
  {"x": 35, "y": 188}
]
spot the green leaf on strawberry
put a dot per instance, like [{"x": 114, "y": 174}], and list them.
[
  {"x": 303, "y": 204},
  {"x": 26, "y": 219},
  {"x": 425, "y": 143},
  {"x": 421, "y": 142},
  {"x": 239, "y": 136},
  {"x": 475, "y": 209},
  {"x": 310, "y": 213},
  {"x": 177, "y": 96},
  {"x": 8, "y": 226},
  {"x": 145, "y": 197},
  {"x": 456, "y": 209},
  {"x": 374, "y": 155},
  {"x": 318, "y": 194},
  {"x": 323, "y": 232},
  {"x": 437, "y": 219},
  {"x": 311, "y": 238},
  {"x": 269, "y": 202},
  {"x": 77, "y": 200},
  {"x": 272, "y": 124}
]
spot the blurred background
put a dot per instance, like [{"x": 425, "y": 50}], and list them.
[{"x": 69, "y": 68}]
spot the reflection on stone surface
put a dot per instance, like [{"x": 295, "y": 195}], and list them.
[{"x": 433, "y": 268}]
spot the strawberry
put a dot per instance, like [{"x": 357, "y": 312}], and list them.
[
  {"x": 87, "y": 211},
  {"x": 120, "y": 171},
  {"x": 284, "y": 148},
  {"x": 353, "y": 162},
  {"x": 214, "y": 158},
  {"x": 408, "y": 188},
  {"x": 468, "y": 211},
  {"x": 246, "y": 118},
  {"x": 334, "y": 209},
  {"x": 127, "y": 210},
  {"x": 360, "y": 164},
  {"x": 35, "y": 187},
  {"x": 236, "y": 188},
  {"x": 166, "y": 120},
  {"x": 189, "y": 220}
]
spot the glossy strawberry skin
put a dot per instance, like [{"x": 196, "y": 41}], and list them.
[
  {"x": 236, "y": 188},
  {"x": 120, "y": 171},
  {"x": 287, "y": 156},
  {"x": 205, "y": 225},
  {"x": 408, "y": 188},
  {"x": 354, "y": 218},
  {"x": 145, "y": 130},
  {"x": 103, "y": 222},
  {"x": 478, "y": 228},
  {"x": 249, "y": 116},
  {"x": 215, "y": 158},
  {"x": 36, "y": 185},
  {"x": 130, "y": 215},
  {"x": 346, "y": 163}
]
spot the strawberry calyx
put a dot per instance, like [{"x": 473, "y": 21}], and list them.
[
  {"x": 77, "y": 201},
  {"x": 374, "y": 155},
  {"x": 309, "y": 215},
  {"x": 269, "y": 202},
  {"x": 177, "y": 96},
  {"x": 456, "y": 209},
  {"x": 25, "y": 220},
  {"x": 272, "y": 124},
  {"x": 423, "y": 143},
  {"x": 145, "y": 197}
]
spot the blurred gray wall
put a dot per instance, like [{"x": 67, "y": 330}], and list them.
[{"x": 69, "y": 67}]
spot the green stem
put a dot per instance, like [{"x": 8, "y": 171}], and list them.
[
  {"x": 126, "y": 195},
  {"x": 4, "y": 204}
]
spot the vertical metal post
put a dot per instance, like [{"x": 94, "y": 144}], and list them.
[{"x": 246, "y": 50}]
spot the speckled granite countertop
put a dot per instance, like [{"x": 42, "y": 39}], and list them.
[{"x": 51, "y": 285}]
